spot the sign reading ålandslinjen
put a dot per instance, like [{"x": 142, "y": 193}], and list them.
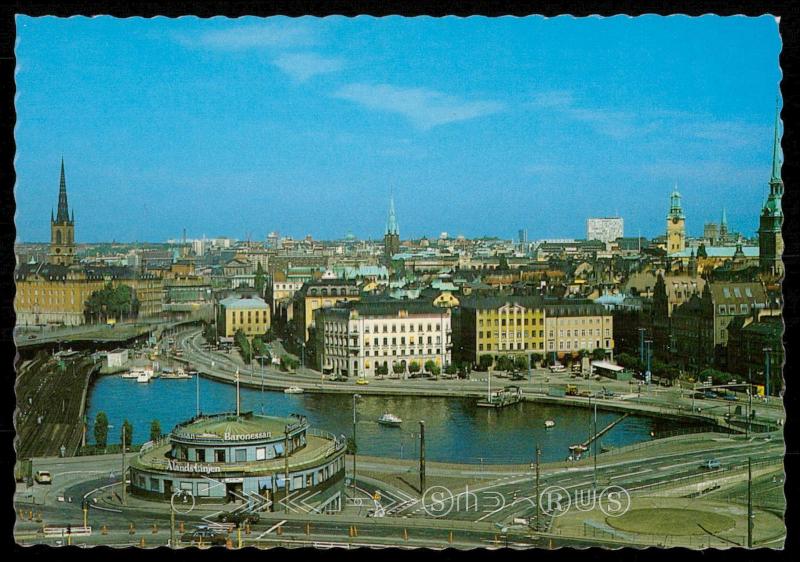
[{"x": 178, "y": 466}]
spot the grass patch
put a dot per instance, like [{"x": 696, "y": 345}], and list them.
[{"x": 671, "y": 521}]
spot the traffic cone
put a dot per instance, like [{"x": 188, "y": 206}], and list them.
[
  {"x": 405, "y": 535},
  {"x": 141, "y": 542},
  {"x": 450, "y": 538},
  {"x": 351, "y": 531},
  {"x": 308, "y": 528},
  {"x": 30, "y": 515},
  {"x": 247, "y": 528},
  {"x": 228, "y": 543},
  {"x": 280, "y": 530},
  {"x": 155, "y": 528},
  {"x": 355, "y": 531},
  {"x": 180, "y": 526},
  {"x": 132, "y": 530},
  {"x": 103, "y": 530}
]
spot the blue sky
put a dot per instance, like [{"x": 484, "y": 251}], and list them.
[{"x": 479, "y": 126}]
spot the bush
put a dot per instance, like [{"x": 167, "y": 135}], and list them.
[
  {"x": 289, "y": 363},
  {"x": 485, "y": 362},
  {"x": 521, "y": 362}
]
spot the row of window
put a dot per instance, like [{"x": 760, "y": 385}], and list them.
[
  {"x": 385, "y": 353},
  {"x": 260, "y": 316},
  {"x": 521, "y": 334},
  {"x": 731, "y": 309},
  {"x": 519, "y": 346}
]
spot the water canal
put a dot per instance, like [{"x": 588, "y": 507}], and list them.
[{"x": 455, "y": 429}]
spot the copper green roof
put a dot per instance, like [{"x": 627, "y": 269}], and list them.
[{"x": 246, "y": 424}]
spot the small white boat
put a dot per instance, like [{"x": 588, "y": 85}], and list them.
[
  {"x": 130, "y": 374},
  {"x": 145, "y": 376},
  {"x": 549, "y": 423},
  {"x": 390, "y": 420},
  {"x": 293, "y": 390}
]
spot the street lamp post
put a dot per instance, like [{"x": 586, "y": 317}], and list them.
[
  {"x": 767, "y": 353},
  {"x": 355, "y": 451}
]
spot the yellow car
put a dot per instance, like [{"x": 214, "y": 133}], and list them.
[{"x": 362, "y": 381}]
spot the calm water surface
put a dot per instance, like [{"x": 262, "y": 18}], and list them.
[{"x": 455, "y": 429}]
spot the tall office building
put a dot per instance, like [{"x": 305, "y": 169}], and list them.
[{"x": 605, "y": 229}]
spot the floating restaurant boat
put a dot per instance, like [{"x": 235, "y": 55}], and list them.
[
  {"x": 549, "y": 423},
  {"x": 390, "y": 420},
  {"x": 293, "y": 390},
  {"x": 501, "y": 398}
]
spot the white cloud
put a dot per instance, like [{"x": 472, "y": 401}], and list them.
[
  {"x": 302, "y": 66},
  {"x": 424, "y": 108},
  {"x": 251, "y": 36}
]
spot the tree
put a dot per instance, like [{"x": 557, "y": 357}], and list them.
[
  {"x": 261, "y": 280},
  {"x": 155, "y": 430},
  {"x": 504, "y": 363},
  {"x": 210, "y": 332},
  {"x": 289, "y": 363},
  {"x": 127, "y": 431},
  {"x": 629, "y": 361},
  {"x": 398, "y": 368},
  {"x": 432, "y": 368},
  {"x": 598, "y": 354},
  {"x": 352, "y": 446},
  {"x": 451, "y": 369},
  {"x": 520, "y": 362},
  {"x": 101, "y": 429},
  {"x": 240, "y": 339},
  {"x": 382, "y": 370},
  {"x": 111, "y": 302},
  {"x": 485, "y": 362},
  {"x": 536, "y": 358},
  {"x": 413, "y": 367}
]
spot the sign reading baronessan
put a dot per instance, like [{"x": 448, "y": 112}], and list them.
[
  {"x": 226, "y": 436},
  {"x": 178, "y": 466},
  {"x": 247, "y": 436}
]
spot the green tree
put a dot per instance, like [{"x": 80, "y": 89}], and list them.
[
  {"x": 261, "y": 280},
  {"x": 521, "y": 362},
  {"x": 598, "y": 354},
  {"x": 127, "y": 431},
  {"x": 289, "y": 363},
  {"x": 398, "y": 368},
  {"x": 155, "y": 430},
  {"x": 352, "y": 446},
  {"x": 413, "y": 367},
  {"x": 504, "y": 363},
  {"x": 382, "y": 370},
  {"x": 484, "y": 362},
  {"x": 536, "y": 358},
  {"x": 101, "y": 429},
  {"x": 111, "y": 302},
  {"x": 240, "y": 339},
  {"x": 433, "y": 368},
  {"x": 451, "y": 369}
]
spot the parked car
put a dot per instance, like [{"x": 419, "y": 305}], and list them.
[
  {"x": 206, "y": 536},
  {"x": 712, "y": 464},
  {"x": 362, "y": 381},
  {"x": 43, "y": 477},
  {"x": 238, "y": 518}
]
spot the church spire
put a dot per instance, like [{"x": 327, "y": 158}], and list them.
[
  {"x": 391, "y": 223},
  {"x": 724, "y": 221},
  {"x": 775, "y": 178},
  {"x": 63, "y": 207}
]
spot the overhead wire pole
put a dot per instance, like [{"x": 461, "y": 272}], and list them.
[
  {"x": 749, "y": 503},
  {"x": 538, "y": 498},
  {"x": 422, "y": 457}
]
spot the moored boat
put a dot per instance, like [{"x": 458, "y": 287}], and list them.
[
  {"x": 390, "y": 420},
  {"x": 293, "y": 390},
  {"x": 549, "y": 423}
]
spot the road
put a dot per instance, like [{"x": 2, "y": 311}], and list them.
[
  {"x": 474, "y": 509},
  {"x": 628, "y": 396}
]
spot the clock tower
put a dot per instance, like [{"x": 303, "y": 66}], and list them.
[{"x": 676, "y": 224}]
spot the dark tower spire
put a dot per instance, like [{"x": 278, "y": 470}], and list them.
[{"x": 63, "y": 207}]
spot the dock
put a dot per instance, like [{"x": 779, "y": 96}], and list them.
[{"x": 603, "y": 431}]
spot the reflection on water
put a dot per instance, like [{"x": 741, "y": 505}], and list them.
[{"x": 455, "y": 429}]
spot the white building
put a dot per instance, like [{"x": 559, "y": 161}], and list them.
[
  {"x": 354, "y": 338},
  {"x": 117, "y": 358},
  {"x": 604, "y": 229}
]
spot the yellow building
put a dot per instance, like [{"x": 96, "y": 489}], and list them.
[
  {"x": 57, "y": 294},
  {"x": 508, "y": 325},
  {"x": 322, "y": 293},
  {"x": 251, "y": 315}
]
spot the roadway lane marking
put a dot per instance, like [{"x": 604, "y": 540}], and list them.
[
  {"x": 631, "y": 474},
  {"x": 268, "y": 531}
]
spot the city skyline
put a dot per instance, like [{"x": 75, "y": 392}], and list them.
[{"x": 284, "y": 122}]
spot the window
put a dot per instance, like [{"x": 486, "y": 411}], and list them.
[
  {"x": 219, "y": 455},
  {"x": 722, "y": 309},
  {"x": 743, "y": 308},
  {"x": 261, "y": 453},
  {"x": 202, "y": 488},
  {"x": 241, "y": 455},
  {"x": 201, "y": 455}
]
